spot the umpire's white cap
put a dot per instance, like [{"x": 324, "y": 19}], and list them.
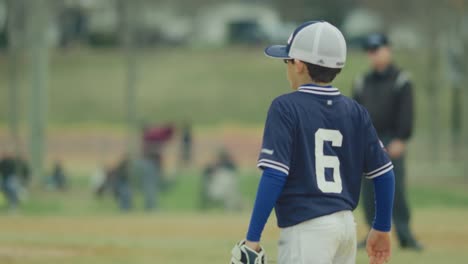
[{"x": 315, "y": 42}]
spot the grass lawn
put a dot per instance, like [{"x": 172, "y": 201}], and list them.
[
  {"x": 190, "y": 238},
  {"x": 75, "y": 228},
  {"x": 207, "y": 86}
]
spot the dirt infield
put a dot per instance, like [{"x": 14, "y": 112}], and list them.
[
  {"x": 85, "y": 149},
  {"x": 189, "y": 238}
]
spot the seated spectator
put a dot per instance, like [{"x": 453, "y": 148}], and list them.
[
  {"x": 14, "y": 174},
  {"x": 220, "y": 184},
  {"x": 58, "y": 179}
]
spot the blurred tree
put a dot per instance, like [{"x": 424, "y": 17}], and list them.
[
  {"x": 184, "y": 5},
  {"x": 462, "y": 6},
  {"x": 128, "y": 11},
  {"x": 390, "y": 10},
  {"x": 334, "y": 11},
  {"x": 431, "y": 30},
  {"x": 38, "y": 15},
  {"x": 15, "y": 24},
  {"x": 456, "y": 67}
]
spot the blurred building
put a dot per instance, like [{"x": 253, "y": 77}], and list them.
[
  {"x": 155, "y": 23},
  {"x": 201, "y": 23},
  {"x": 360, "y": 22},
  {"x": 208, "y": 24},
  {"x": 237, "y": 22},
  {"x": 3, "y": 20}
]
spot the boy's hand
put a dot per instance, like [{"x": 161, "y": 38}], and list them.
[
  {"x": 253, "y": 245},
  {"x": 378, "y": 247},
  {"x": 252, "y": 254}
]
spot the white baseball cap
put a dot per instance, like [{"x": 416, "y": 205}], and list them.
[{"x": 315, "y": 42}]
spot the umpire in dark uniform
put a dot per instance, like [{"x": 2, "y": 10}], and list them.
[{"x": 386, "y": 92}]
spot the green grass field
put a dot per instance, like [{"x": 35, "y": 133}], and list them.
[
  {"x": 208, "y": 86},
  {"x": 188, "y": 238},
  {"x": 74, "y": 228}
]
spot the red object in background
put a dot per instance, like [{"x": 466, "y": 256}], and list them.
[{"x": 159, "y": 134}]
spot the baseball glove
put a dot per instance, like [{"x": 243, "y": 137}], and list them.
[{"x": 241, "y": 254}]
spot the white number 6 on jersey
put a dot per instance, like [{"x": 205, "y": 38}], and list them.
[{"x": 323, "y": 161}]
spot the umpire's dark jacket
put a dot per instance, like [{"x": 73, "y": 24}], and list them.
[{"x": 388, "y": 97}]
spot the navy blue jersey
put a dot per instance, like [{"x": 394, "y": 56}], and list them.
[{"x": 325, "y": 142}]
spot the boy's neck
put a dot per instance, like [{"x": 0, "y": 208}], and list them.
[
  {"x": 320, "y": 83},
  {"x": 313, "y": 83}
]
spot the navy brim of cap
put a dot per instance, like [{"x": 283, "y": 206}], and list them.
[{"x": 277, "y": 51}]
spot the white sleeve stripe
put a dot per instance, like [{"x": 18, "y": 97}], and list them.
[
  {"x": 377, "y": 170},
  {"x": 380, "y": 173},
  {"x": 261, "y": 164},
  {"x": 274, "y": 163},
  {"x": 384, "y": 168}
]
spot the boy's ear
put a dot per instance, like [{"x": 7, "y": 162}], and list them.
[{"x": 299, "y": 66}]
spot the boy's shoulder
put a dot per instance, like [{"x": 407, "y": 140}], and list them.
[
  {"x": 351, "y": 101},
  {"x": 287, "y": 100},
  {"x": 286, "y": 96},
  {"x": 284, "y": 99},
  {"x": 356, "y": 110}
]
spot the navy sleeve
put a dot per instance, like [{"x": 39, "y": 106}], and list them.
[
  {"x": 376, "y": 160},
  {"x": 277, "y": 139},
  {"x": 384, "y": 189},
  {"x": 270, "y": 187}
]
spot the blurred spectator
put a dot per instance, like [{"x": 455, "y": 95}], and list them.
[
  {"x": 157, "y": 134},
  {"x": 99, "y": 181},
  {"x": 58, "y": 179},
  {"x": 14, "y": 173},
  {"x": 387, "y": 93},
  {"x": 220, "y": 184},
  {"x": 155, "y": 139},
  {"x": 186, "y": 147},
  {"x": 116, "y": 181},
  {"x": 121, "y": 183},
  {"x": 149, "y": 169}
]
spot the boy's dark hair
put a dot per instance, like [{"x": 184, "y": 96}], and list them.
[{"x": 321, "y": 74}]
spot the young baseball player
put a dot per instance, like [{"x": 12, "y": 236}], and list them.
[{"x": 317, "y": 146}]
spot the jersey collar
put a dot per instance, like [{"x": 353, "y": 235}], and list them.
[{"x": 320, "y": 90}]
